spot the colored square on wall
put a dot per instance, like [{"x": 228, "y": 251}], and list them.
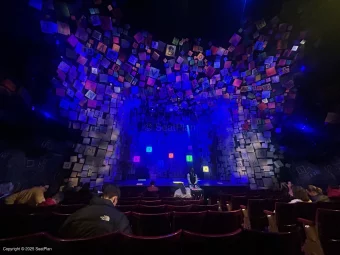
[
  {"x": 136, "y": 159},
  {"x": 171, "y": 155},
  {"x": 149, "y": 149},
  {"x": 205, "y": 169},
  {"x": 189, "y": 158}
]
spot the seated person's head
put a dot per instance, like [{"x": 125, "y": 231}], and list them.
[
  {"x": 58, "y": 197},
  {"x": 300, "y": 193},
  {"x": 111, "y": 193},
  {"x": 182, "y": 188},
  {"x": 152, "y": 183},
  {"x": 314, "y": 191}
]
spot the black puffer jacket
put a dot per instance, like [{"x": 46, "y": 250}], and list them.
[{"x": 99, "y": 218}]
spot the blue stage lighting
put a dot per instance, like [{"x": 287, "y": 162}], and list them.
[{"x": 149, "y": 149}]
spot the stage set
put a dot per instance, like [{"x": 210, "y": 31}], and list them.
[{"x": 149, "y": 109}]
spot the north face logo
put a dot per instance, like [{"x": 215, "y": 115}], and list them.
[{"x": 105, "y": 217}]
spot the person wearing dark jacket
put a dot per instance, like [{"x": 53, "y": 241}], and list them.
[{"x": 99, "y": 218}]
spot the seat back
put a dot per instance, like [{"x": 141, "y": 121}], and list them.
[
  {"x": 128, "y": 202},
  {"x": 127, "y": 208},
  {"x": 173, "y": 202},
  {"x": 236, "y": 201},
  {"x": 33, "y": 240},
  {"x": 56, "y": 220},
  {"x": 151, "y": 202},
  {"x": 192, "y": 202},
  {"x": 306, "y": 210},
  {"x": 69, "y": 209},
  {"x": 267, "y": 243},
  {"x": 104, "y": 244},
  {"x": 151, "y": 198},
  {"x": 166, "y": 244},
  {"x": 328, "y": 222},
  {"x": 257, "y": 217},
  {"x": 285, "y": 216},
  {"x": 202, "y": 208},
  {"x": 222, "y": 222},
  {"x": 196, "y": 243},
  {"x": 131, "y": 198},
  {"x": 329, "y": 205},
  {"x": 151, "y": 209},
  {"x": 174, "y": 208},
  {"x": 191, "y": 221},
  {"x": 150, "y": 224}
]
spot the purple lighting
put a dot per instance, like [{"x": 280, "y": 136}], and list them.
[{"x": 136, "y": 159}]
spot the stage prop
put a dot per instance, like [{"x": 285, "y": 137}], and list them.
[{"x": 248, "y": 81}]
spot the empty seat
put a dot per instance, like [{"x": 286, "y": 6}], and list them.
[
  {"x": 150, "y": 224},
  {"x": 127, "y": 208},
  {"x": 222, "y": 222},
  {"x": 151, "y": 209},
  {"x": 165, "y": 245},
  {"x": 174, "y": 208},
  {"x": 329, "y": 205},
  {"x": 196, "y": 243},
  {"x": 104, "y": 244},
  {"x": 328, "y": 222},
  {"x": 69, "y": 209},
  {"x": 191, "y": 221},
  {"x": 151, "y": 202},
  {"x": 128, "y": 202},
  {"x": 284, "y": 219},
  {"x": 267, "y": 243},
  {"x": 171, "y": 199},
  {"x": 131, "y": 198},
  {"x": 257, "y": 218},
  {"x": 306, "y": 210},
  {"x": 202, "y": 208}
]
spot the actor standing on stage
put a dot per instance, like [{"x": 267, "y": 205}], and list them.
[{"x": 192, "y": 179}]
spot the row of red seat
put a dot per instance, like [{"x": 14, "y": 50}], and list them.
[
  {"x": 179, "y": 242},
  {"x": 209, "y": 222},
  {"x": 168, "y": 208}
]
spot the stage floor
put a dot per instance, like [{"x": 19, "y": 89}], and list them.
[{"x": 172, "y": 182}]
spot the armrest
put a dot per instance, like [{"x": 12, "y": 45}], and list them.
[
  {"x": 243, "y": 207},
  {"x": 306, "y": 222},
  {"x": 268, "y": 212}
]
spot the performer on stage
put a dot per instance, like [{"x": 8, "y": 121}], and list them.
[
  {"x": 192, "y": 179},
  {"x": 196, "y": 191}
]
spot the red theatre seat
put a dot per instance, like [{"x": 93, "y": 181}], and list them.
[
  {"x": 267, "y": 243},
  {"x": 195, "y": 243},
  {"x": 222, "y": 222},
  {"x": 202, "y": 208},
  {"x": 174, "y": 208},
  {"x": 128, "y": 202},
  {"x": 151, "y": 209},
  {"x": 150, "y": 224},
  {"x": 165, "y": 245},
  {"x": 191, "y": 221},
  {"x": 127, "y": 208},
  {"x": 104, "y": 244},
  {"x": 328, "y": 222},
  {"x": 56, "y": 220},
  {"x": 236, "y": 201},
  {"x": 172, "y": 202},
  {"x": 34, "y": 240},
  {"x": 151, "y": 202},
  {"x": 192, "y": 202},
  {"x": 69, "y": 209}
]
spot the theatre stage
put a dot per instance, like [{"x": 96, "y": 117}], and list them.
[{"x": 169, "y": 185}]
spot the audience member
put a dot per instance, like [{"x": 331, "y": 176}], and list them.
[
  {"x": 316, "y": 194},
  {"x": 152, "y": 187},
  {"x": 56, "y": 199},
  {"x": 300, "y": 195},
  {"x": 182, "y": 191},
  {"x": 100, "y": 217},
  {"x": 32, "y": 197}
]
